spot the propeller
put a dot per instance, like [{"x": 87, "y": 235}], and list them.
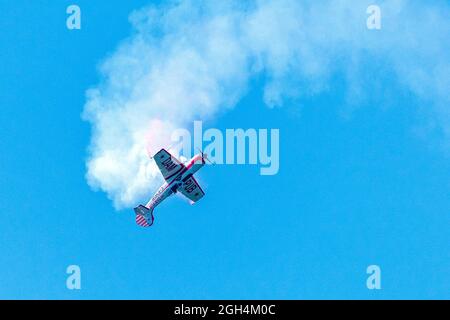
[{"x": 205, "y": 157}]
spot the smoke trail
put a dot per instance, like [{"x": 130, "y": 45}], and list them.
[{"x": 189, "y": 60}]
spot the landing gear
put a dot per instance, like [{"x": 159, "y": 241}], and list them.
[{"x": 174, "y": 189}]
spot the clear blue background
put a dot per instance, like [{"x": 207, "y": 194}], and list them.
[{"x": 351, "y": 191}]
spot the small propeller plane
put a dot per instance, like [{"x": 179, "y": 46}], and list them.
[{"x": 179, "y": 178}]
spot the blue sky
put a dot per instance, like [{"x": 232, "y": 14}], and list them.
[{"x": 362, "y": 180}]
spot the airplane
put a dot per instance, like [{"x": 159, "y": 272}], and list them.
[{"x": 179, "y": 178}]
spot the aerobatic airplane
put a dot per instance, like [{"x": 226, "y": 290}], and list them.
[{"x": 179, "y": 178}]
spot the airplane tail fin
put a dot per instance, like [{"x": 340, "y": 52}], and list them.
[{"x": 144, "y": 216}]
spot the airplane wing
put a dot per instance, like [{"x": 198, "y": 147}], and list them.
[
  {"x": 167, "y": 164},
  {"x": 191, "y": 190}
]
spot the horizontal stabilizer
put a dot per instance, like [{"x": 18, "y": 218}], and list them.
[{"x": 144, "y": 216}]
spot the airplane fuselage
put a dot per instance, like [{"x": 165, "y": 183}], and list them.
[{"x": 175, "y": 181}]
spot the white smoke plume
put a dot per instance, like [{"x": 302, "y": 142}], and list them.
[{"x": 189, "y": 60}]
